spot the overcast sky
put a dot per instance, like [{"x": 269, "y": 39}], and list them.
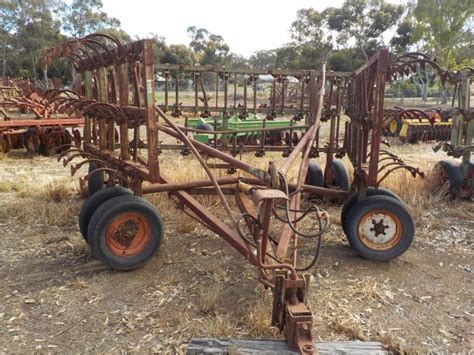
[{"x": 246, "y": 25}]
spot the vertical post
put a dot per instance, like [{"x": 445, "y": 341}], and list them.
[
  {"x": 88, "y": 94},
  {"x": 382, "y": 67},
  {"x": 151, "y": 130},
  {"x": 123, "y": 85},
  {"x": 102, "y": 98}
]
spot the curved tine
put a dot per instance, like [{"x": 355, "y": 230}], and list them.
[
  {"x": 106, "y": 107},
  {"x": 114, "y": 39},
  {"x": 72, "y": 148},
  {"x": 411, "y": 169},
  {"x": 83, "y": 154},
  {"x": 95, "y": 48},
  {"x": 64, "y": 103},
  {"x": 385, "y": 166},
  {"x": 108, "y": 170},
  {"x": 105, "y": 50},
  {"x": 68, "y": 92},
  {"x": 80, "y": 104},
  {"x": 390, "y": 158},
  {"x": 389, "y": 153},
  {"x": 92, "y": 159}
]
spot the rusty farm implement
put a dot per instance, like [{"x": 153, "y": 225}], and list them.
[
  {"x": 31, "y": 118},
  {"x": 264, "y": 211}
]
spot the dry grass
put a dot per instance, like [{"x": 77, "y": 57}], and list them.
[{"x": 208, "y": 299}]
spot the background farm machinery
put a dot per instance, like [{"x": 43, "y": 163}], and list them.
[
  {"x": 30, "y": 118},
  {"x": 454, "y": 126},
  {"x": 414, "y": 125},
  {"x": 267, "y": 219}
]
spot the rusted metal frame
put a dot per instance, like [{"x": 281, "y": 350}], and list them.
[
  {"x": 217, "y": 89},
  {"x": 328, "y": 171},
  {"x": 151, "y": 119},
  {"x": 188, "y": 185},
  {"x": 284, "y": 86},
  {"x": 254, "y": 79},
  {"x": 177, "y": 110},
  {"x": 102, "y": 96},
  {"x": 216, "y": 225},
  {"x": 182, "y": 136},
  {"x": 383, "y": 63},
  {"x": 113, "y": 98},
  {"x": 340, "y": 99},
  {"x": 123, "y": 88},
  {"x": 217, "y": 68},
  {"x": 243, "y": 112},
  {"x": 137, "y": 102},
  {"x": 128, "y": 167},
  {"x": 196, "y": 93},
  {"x": 166, "y": 76},
  {"x": 306, "y": 143},
  {"x": 71, "y": 121}
]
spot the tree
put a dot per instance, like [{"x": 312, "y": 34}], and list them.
[
  {"x": 444, "y": 28},
  {"x": 363, "y": 22},
  {"x": 83, "y": 17},
  {"x": 178, "y": 54},
  {"x": 29, "y": 26},
  {"x": 263, "y": 59},
  {"x": 311, "y": 28},
  {"x": 209, "y": 48}
]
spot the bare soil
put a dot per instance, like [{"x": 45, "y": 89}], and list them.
[{"x": 55, "y": 297}]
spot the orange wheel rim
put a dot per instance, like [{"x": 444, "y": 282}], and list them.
[
  {"x": 380, "y": 230},
  {"x": 128, "y": 234}
]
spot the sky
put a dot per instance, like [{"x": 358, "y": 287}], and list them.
[{"x": 245, "y": 25}]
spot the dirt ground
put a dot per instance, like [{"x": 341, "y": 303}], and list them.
[{"x": 55, "y": 297}]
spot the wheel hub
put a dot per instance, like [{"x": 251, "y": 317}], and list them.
[
  {"x": 128, "y": 234},
  {"x": 380, "y": 230}
]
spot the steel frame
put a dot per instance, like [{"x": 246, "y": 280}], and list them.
[{"x": 119, "y": 91}]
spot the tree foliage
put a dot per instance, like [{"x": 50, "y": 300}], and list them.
[
  {"x": 445, "y": 29},
  {"x": 82, "y": 17}
]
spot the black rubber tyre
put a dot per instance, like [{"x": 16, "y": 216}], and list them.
[
  {"x": 205, "y": 127},
  {"x": 451, "y": 172},
  {"x": 314, "y": 177},
  {"x": 340, "y": 175},
  {"x": 352, "y": 200},
  {"x": 96, "y": 181},
  {"x": 125, "y": 232},
  {"x": 369, "y": 221},
  {"x": 93, "y": 203}
]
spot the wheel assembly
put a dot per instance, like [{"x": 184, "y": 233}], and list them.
[
  {"x": 448, "y": 172},
  {"x": 314, "y": 177},
  {"x": 340, "y": 176},
  {"x": 94, "y": 202},
  {"x": 352, "y": 201},
  {"x": 380, "y": 228},
  {"x": 125, "y": 232},
  {"x": 96, "y": 180}
]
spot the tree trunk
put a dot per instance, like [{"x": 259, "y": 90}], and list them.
[
  {"x": 4, "y": 61},
  {"x": 34, "y": 65},
  {"x": 444, "y": 95}
]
